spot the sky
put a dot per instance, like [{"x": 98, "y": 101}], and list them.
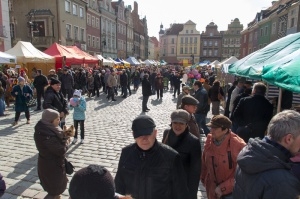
[{"x": 221, "y": 12}]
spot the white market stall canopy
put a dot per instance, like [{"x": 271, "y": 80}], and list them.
[
  {"x": 105, "y": 61},
  {"x": 224, "y": 64},
  {"x": 25, "y": 52},
  {"x": 7, "y": 58}
]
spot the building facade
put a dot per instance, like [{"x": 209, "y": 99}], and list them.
[
  {"x": 92, "y": 45},
  {"x": 211, "y": 43},
  {"x": 5, "y": 37}
]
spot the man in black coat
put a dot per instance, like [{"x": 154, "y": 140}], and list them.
[
  {"x": 123, "y": 82},
  {"x": 253, "y": 113},
  {"x": 146, "y": 90},
  {"x": 176, "y": 83},
  {"x": 39, "y": 83},
  {"x": 149, "y": 169},
  {"x": 55, "y": 100},
  {"x": 97, "y": 83},
  {"x": 67, "y": 83}
]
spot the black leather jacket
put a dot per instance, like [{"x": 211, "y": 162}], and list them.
[
  {"x": 153, "y": 174},
  {"x": 55, "y": 101}
]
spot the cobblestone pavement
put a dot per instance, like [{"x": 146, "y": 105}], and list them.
[{"x": 108, "y": 130}]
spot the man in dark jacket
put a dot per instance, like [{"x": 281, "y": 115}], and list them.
[
  {"x": 176, "y": 83},
  {"x": 97, "y": 83},
  {"x": 39, "y": 83},
  {"x": 264, "y": 166},
  {"x": 226, "y": 111},
  {"x": 202, "y": 108},
  {"x": 55, "y": 100},
  {"x": 123, "y": 82},
  {"x": 67, "y": 83},
  {"x": 253, "y": 113},
  {"x": 149, "y": 169},
  {"x": 146, "y": 90}
]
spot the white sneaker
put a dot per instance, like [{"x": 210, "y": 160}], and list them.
[
  {"x": 82, "y": 141},
  {"x": 74, "y": 141}
]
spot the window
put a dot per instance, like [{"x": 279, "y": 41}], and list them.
[
  {"x": 185, "y": 50},
  {"x": 173, "y": 41},
  {"x": 75, "y": 9},
  {"x": 292, "y": 22},
  {"x": 68, "y": 31},
  {"x": 67, "y": 6},
  {"x": 89, "y": 40},
  {"x": 76, "y": 31},
  {"x": 210, "y": 43},
  {"x": 82, "y": 34},
  {"x": 181, "y": 40},
  {"x": 282, "y": 26},
  {"x": 216, "y": 53},
  {"x": 10, "y": 5},
  {"x": 98, "y": 42},
  {"x": 186, "y": 31},
  {"x": 216, "y": 43},
  {"x": 191, "y": 50},
  {"x": 195, "y": 40},
  {"x": 191, "y": 40},
  {"x": 245, "y": 38},
  {"x": 12, "y": 30},
  {"x": 195, "y": 50},
  {"x": 97, "y": 23},
  {"x": 261, "y": 32},
  {"x": 266, "y": 30},
  {"x": 255, "y": 35},
  {"x": 209, "y": 52},
  {"x": 205, "y": 43},
  {"x": 211, "y": 34},
  {"x": 181, "y": 50},
  {"x": 186, "y": 40},
  {"x": 237, "y": 40},
  {"x": 251, "y": 36},
  {"x": 93, "y": 42},
  {"x": 93, "y": 21},
  {"x": 88, "y": 19},
  {"x": 81, "y": 12},
  {"x": 172, "y": 51},
  {"x": 204, "y": 52},
  {"x": 273, "y": 28}
]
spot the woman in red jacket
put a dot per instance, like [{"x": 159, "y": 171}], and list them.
[{"x": 219, "y": 158}]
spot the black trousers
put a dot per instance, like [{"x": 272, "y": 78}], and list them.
[
  {"x": 96, "y": 91},
  {"x": 128, "y": 87},
  {"x": 111, "y": 93},
  {"x": 39, "y": 95},
  {"x": 17, "y": 116},
  {"x": 144, "y": 103},
  {"x": 81, "y": 122},
  {"x": 159, "y": 93},
  {"x": 68, "y": 92},
  {"x": 176, "y": 88}
]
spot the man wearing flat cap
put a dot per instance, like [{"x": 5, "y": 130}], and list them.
[
  {"x": 189, "y": 103},
  {"x": 149, "y": 169}
]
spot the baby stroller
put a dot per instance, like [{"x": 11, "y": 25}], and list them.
[{"x": 166, "y": 83}]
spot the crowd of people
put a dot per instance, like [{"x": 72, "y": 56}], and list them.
[{"x": 249, "y": 152}]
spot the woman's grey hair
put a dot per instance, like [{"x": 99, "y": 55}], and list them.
[{"x": 283, "y": 123}]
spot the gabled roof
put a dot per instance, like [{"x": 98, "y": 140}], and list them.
[{"x": 174, "y": 29}]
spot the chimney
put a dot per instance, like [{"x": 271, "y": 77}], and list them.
[{"x": 135, "y": 7}]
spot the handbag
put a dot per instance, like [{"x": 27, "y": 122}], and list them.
[
  {"x": 31, "y": 102},
  {"x": 69, "y": 167}
]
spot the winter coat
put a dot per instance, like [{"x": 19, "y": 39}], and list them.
[
  {"x": 97, "y": 81},
  {"x": 79, "y": 111},
  {"x": 67, "y": 81},
  {"x": 220, "y": 160},
  {"x": 21, "y": 98},
  {"x": 39, "y": 82},
  {"x": 159, "y": 83},
  {"x": 153, "y": 174},
  {"x": 189, "y": 149},
  {"x": 193, "y": 125},
  {"x": 111, "y": 81},
  {"x": 176, "y": 81},
  {"x": 213, "y": 93},
  {"x": 123, "y": 79},
  {"x": 90, "y": 83},
  {"x": 146, "y": 87},
  {"x": 264, "y": 171},
  {"x": 202, "y": 96},
  {"x": 55, "y": 100},
  {"x": 255, "y": 110},
  {"x": 52, "y": 148}
]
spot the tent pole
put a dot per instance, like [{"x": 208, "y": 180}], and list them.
[{"x": 279, "y": 100}]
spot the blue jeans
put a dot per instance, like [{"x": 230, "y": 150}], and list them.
[{"x": 201, "y": 121}]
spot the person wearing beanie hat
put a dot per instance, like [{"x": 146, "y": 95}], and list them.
[
  {"x": 55, "y": 100},
  {"x": 40, "y": 82},
  {"x": 222, "y": 144},
  {"x": 188, "y": 146},
  {"x": 22, "y": 94},
  {"x": 93, "y": 182},
  {"x": 78, "y": 103},
  {"x": 148, "y": 157},
  {"x": 52, "y": 146},
  {"x": 185, "y": 91}
]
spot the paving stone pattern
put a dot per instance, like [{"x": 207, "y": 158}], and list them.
[{"x": 107, "y": 131}]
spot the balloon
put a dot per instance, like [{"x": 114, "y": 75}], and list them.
[{"x": 74, "y": 101}]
